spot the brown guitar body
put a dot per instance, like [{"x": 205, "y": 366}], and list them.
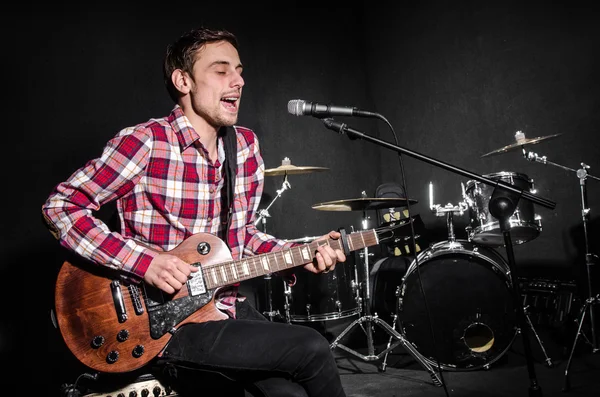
[{"x": 88, "y": 318}]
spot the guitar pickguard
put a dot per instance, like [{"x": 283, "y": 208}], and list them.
[{"x": 165, "y": 317}]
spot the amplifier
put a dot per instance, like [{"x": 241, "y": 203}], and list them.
[
  {"x": 139, "y": 388},
  {"x": 548, "y": 302}
]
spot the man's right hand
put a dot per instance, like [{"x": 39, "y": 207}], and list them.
[{"x": 168, "y": 273}]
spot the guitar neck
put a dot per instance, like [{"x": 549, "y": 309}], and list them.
[{"x": 227, "y": 273}]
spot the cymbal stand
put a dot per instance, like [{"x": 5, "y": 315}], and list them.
[
  {"x": 590, "y": 258},
  {"x": 263, "y": 215},
  {"x": 370, "y": 320}
]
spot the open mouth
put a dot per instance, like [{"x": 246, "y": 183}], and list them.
[{"x": 230, "y": 103}]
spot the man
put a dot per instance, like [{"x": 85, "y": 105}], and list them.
[{"x": 171, "y": 178}]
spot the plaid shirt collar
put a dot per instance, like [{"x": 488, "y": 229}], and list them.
[{"x": 186, "y": 134}]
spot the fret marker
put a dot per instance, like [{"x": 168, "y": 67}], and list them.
[
  {"x": 214, "y": 274},
  {"x": 233, "y": 271},
  {"x": 305, "y": 254},
  {"x": 288, "y": 258},
  {"x": 245, "y": 268},
  {"x": 265, "y": 262},
  {"x": 223, "y": 274}
]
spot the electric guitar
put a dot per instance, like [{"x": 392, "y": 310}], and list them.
[{"x": 115, "y": 326}]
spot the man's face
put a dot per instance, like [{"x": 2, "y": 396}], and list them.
[{"x": 217, "y": 84}]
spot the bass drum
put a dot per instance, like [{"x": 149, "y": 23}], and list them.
[{"x": 467, "y": 292}]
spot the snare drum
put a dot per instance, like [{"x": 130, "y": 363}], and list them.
[
  {"x": 484, "y": 229},
  {"x": 315, "y": 297}
]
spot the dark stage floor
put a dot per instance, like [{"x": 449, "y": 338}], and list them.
[
  {"x": 508, "y": 375},
  {"x": 405, "y": 375}
]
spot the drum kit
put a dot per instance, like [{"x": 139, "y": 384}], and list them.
[{"x": 473, "y": 326}]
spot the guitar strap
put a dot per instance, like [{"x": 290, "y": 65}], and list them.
[{"x": 230, "y": 146}]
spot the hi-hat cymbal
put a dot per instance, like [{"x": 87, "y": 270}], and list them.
[
  {"x": 519, "y": 143},
  {"x": 363, "y": 204},
  {"x": 290, "y": 169}
]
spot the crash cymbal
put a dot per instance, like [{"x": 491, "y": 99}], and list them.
[
  {"x": 363, "y": 204},
  {"x": 520, "y": 141},
  {"x": 290, "y": 169}
]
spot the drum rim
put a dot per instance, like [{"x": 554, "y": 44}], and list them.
[
  {"x": 324, "y": 316},
  {"x": 450, "y": 367},
  {"x": 485, "y": 252},
  {"x": 507, "y": 173},
  {"x": 495, "y": 225},
  {"x": 493, "y": 175}
]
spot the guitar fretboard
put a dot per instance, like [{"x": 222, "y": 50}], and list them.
[{"x": 227, "y": 273}]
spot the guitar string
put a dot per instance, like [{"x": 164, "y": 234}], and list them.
[{"x": 352, "y": 238}]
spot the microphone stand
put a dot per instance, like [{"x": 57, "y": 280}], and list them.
[
  {"x": 503, "y": 203},
  {"x": 582, "y": 175}
]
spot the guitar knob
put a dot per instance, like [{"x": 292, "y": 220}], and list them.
[
  {"x": 145, "y": 392},
  {"x": 97, "y": 341},
  {"x": 138, "y": 351},
  {"x": 112, "y": 357},
  {"x": 133, "y": 393},
  {"x": 156, "y": 391},
  {"x": 121, "y": 395},
  {"x": 123, "y": 335}
]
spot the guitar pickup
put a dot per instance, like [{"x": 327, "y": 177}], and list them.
[{"x": 117, "y": 295}]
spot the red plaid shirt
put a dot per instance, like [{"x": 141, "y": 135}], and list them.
[{"x": 166, "y": 190}]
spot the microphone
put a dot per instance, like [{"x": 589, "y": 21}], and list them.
[{"x": 298, "y": 107}]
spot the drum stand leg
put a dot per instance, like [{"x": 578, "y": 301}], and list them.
[
  {"x": 370, "y": 321},
  {"x": 394, "y": 321},
  {"x": 270, "y": 313},
  {"x": 548, "y": 361}
]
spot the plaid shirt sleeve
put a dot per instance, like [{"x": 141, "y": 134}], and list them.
[{"x": 69, "y": 209}]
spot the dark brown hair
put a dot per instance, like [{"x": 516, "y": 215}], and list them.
[{"x": 181, "y": 54}]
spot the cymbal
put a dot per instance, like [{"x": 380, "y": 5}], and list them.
[
  {"x": 290, "y": 169},
  {"x": 519, "y": 143},
  {"x": 363, "y": 204}
]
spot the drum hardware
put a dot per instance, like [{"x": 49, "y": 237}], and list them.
[
  {"x": 503, "y": 202},
  {"x": 367, "y": 321},
  {"x": 590, "y": 258},
  {"x": 449, "y": 210},
  {"x": 547, "y": 359},
  {"x": 286, "y": 168},
  {"x": 484, "y": 229}
]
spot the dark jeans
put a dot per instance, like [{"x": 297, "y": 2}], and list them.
[{"x": 275, "y": 358}]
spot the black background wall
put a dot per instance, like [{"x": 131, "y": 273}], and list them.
[{"x": 455, "y": 82}]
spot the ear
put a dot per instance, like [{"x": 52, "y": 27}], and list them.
[{"x": 181, "y": 81}]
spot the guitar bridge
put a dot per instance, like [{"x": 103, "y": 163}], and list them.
[{"x": 136, "y": 299}]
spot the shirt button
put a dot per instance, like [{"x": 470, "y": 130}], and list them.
[
  {"x": 211, "y": 190},
  {"x": 209, "y": 219}
]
